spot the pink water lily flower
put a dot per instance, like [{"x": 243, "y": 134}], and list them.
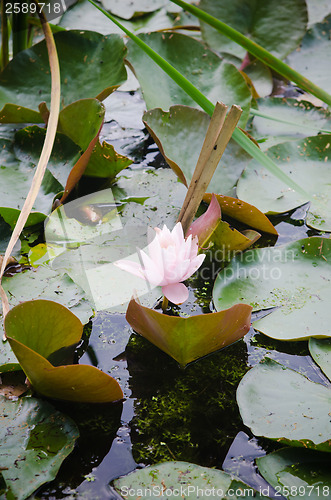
[{"x": 171, "y": 260}]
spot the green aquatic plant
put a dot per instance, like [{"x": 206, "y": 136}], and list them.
[{"x": 207, "y": 105}]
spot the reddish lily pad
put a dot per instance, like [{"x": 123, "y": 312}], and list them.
[
  {"x": 50, "y": 328},
  {"x": 187, "y": 339},
  {"x": 243, "y": 212}
]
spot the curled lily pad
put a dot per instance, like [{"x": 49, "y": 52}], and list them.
[
  {"x": 175, "y": 478},
  {"x": 292, "y": 278},
  {"x": 294, "y": 409},
  {"x": 243, "y": 212},
  {"x": 85, "y": 16},
  {"x": 187, "y": 339},
  {"x": 307, "y": 161},
  {"x": 34, "y": 440},
  {"x": 42, "y": 329},
  {"x": 91, "y": 66},
  {"x": 296, "y": 472},
  {"x": 18, "y": 161},
  {"x": 201, "y": 66},
  {"x": 287, "y": 18},
  {"x": 320, "y": 349},
  {"x": 176, "y": 131}
]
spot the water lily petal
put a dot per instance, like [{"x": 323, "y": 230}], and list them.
[
  {"x": 176, "y": 293},
  {"x": 130, "y": 267},
  {"x": 194, "y": 266}
]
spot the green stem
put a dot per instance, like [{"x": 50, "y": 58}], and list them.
[
  {"x": 20, "y": 32},
  {"x": 256, "y": 112},
  {"x": 4, "y": 36},
  {"x": 165, "y": 303},
  {"x": 208, "y": 107},
  {"x": 259, "y": 52}
]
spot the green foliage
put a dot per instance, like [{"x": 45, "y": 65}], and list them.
[
  {"x": 285, "y": 278},
  {"x": 86, "y": 71},
  {"x": 42, "y": 354},
  {"x": 35, "y": 439},
  {"x": 295, "y": 410}
]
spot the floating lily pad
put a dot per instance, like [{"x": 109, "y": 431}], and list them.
[
  {"x": 288, "y": 120},
  {"x": 206, "y": 70},
  {"x": 85, "y": 16},
  {"x": 293, "y": 278},
  {"x": 296, "y": 473},
  {"x": 132, "y": 8},
  {"x": 187, "y": 339},
  {"x": 321, "y": 353},
  {"x": 260, "y": 76},
  {"x": 179, "y": 134},
  {"x": 46, "y": 284},
  {"x": 42, "y": 328},
  {"x": 34, "y": 440},
  {"x": 276, "y": 25},
  {"x": 91, "y": 66},
  {"x": 294, "y": 409},
  {"x": 184, "y": 478},
  {"x": 28, "y": 144},
  {"x": 306, "y": 161},
  {"x": 316, "y": 41}
]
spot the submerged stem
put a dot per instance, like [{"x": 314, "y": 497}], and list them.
[{"x": 165, "y": 303}]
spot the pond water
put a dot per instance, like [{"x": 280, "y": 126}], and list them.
[{"x": 168, "y": 413}]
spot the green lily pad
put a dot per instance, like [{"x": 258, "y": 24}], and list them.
[
  {"x": 66, "y": 328},
  {"x": 293, "y": 278},
  {"x": 321, "y": 353},
  {"x": 18, "y": 161},
  {"x": 132, "y": 8},
  {"x": 105, "y": 162},
  {"x": 295, "y": 473},
  {"x": 215, "y": 78},
  {"x": 187, "y": 339},
  {"x": 177, "y": 130},
  {"x": 47, "y": 284},
  {"x": 276, "y": 25},
  {"x": 294, "y": 409},
  {"x": 182, "y": 479},
  {"x": 307, "y": 161},
  {"x": 260, "y": 76},
  {"x": 34, "y": 440},
  {"x": 316, "y": 41},
  {"x": 81, "y": 121},
  {"x": 289, "y": 120},
  {"x": 84, "y": 16},
  {"x": 27, "y": 328},
  {"x": 91, "y": 66}
]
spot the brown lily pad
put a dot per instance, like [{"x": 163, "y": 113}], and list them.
[{"x": 187, "y": 339}]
